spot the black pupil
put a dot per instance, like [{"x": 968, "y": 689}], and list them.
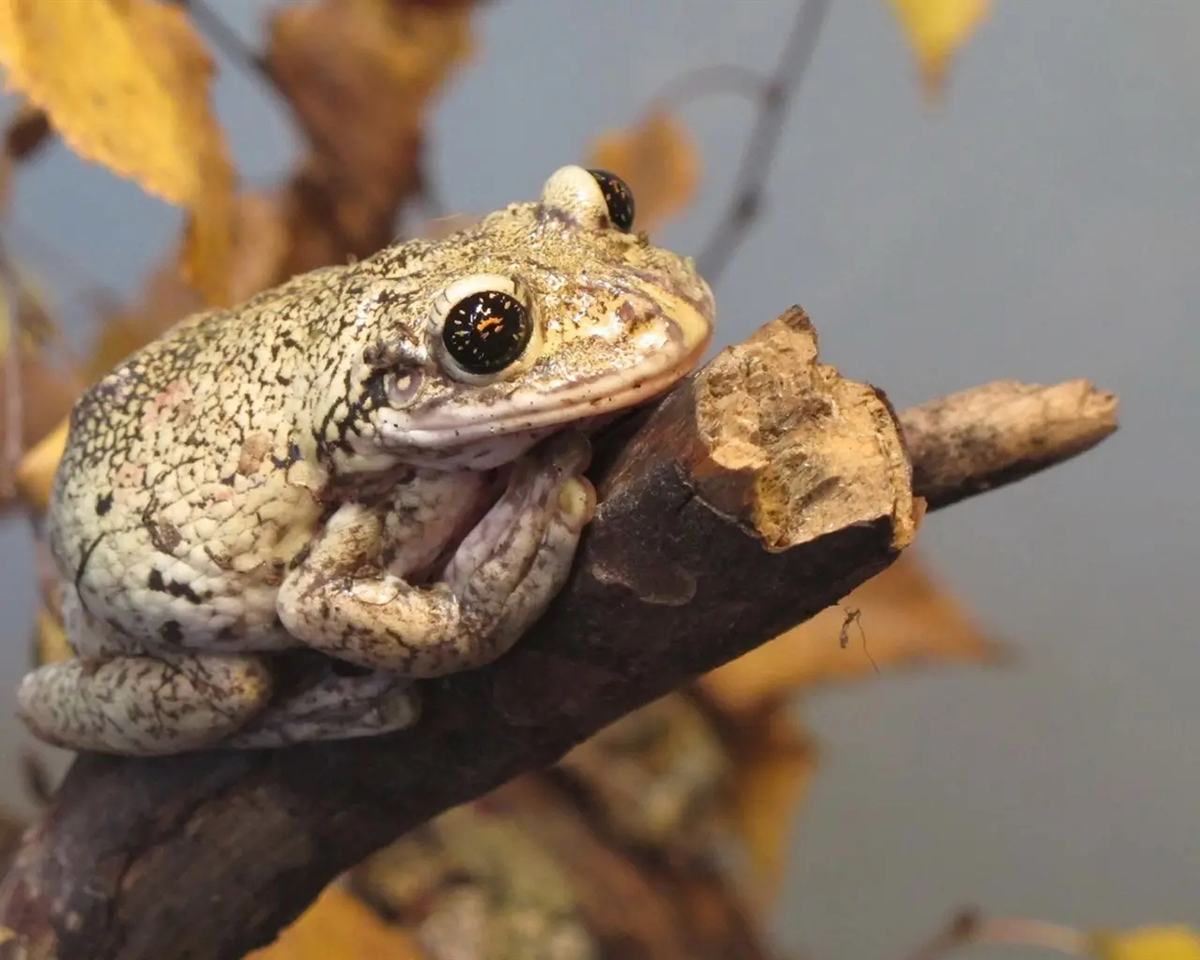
[
  {"x": 486, "y": 331},
  {"x": 619, "y": 198}
]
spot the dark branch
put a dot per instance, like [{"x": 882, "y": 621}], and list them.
[{"x": 758, "y": 493}]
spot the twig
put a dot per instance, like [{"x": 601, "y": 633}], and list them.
[
  {"x": 758, "y": 493},
  {"x": 968, "y": 928},
  {"x": 995, "y": 434},
  {"x": 227, "y": 41},
  {"x": 746, "y": 200}
]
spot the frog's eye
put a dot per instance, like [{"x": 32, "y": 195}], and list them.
[
  {"x": 596, "y": 198},
  {"x": 618, "y": 197},
  {"x": 485, "y": 325}
]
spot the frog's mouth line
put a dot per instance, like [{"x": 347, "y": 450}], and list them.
[{"x": 535, "y": 413}]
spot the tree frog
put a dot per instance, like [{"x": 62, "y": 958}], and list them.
[{"x": 379, "y": 463}]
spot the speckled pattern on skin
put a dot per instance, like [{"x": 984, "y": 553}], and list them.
[{"x": 314, "y": 469}]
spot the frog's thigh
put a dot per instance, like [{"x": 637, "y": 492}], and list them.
[
  {"x": 336, "y": 708},
  {"x": 500, "y": 579},
  {"x": 142, "y": 705}
]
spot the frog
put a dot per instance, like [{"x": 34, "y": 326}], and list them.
[{"x": 276, "y": 522}]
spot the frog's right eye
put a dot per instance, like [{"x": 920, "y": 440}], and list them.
[{"x": 485, "y": 326}]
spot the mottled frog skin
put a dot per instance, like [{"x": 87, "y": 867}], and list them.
[{"x": 379, "y": 463}]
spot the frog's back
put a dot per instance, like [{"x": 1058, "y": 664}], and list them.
[{"x": 176, "y": 459}]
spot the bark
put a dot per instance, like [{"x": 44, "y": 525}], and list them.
[{"x": 759, "y": 492}]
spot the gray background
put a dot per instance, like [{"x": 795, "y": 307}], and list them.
[{"x": 1044, "y": 225}]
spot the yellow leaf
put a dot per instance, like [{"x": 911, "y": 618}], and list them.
[
  {"x": 49, "y": 639},
  {"x": 936, "y": 29},
  {"x": 903, "y": 616},
  {"x": 658, "y": 160},
  {"x": 1147, "y": 943},
  {"x": 339, "y": 927},
  {"x": 125, "y": 82},
  {"x": 35, "y": 472}
]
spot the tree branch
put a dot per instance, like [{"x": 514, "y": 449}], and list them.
[
  {"x": 759, "y": 492},
  {"x": 973, "y": 441}
]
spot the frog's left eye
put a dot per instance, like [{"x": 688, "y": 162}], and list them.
[
  {"x": 486, "y": 331},
  {"x": 618, "y": 197},
  {"x": 595, "y": 198}
]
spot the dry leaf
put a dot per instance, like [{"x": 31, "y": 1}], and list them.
[
  {"x": 360, "y": 74},
  {"x": 48, "y": 389},
  {"x": 164, "y": 301},
  {"x": 261, "y": 244},
  {"x": 775, "y": 763},
  {"x": 903, "y": 617},
  {"x": 936, "y": 29},
  {"x": 340, "y": 927},
  {"x": 1147, "y": 943},
  {"x": 49, "y": 639},
  {"x": 46, "y": 386},
  {"x": 35, "y": 472},
  {"x": 126, "y": 83},
  {"x": 659, "y": 161}
]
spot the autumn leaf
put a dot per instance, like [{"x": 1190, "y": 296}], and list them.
[
  {"x": 338, "y": 926},
  {"x": 165, "y": 299},
  {"x": 35, "y": 472},
  {"x": 360, "y": 75},
  {"x": 897, "y": 618},
  {"x": 126, "y": 84},
  {"x": 49, "y": 639},
  {"x": 774, "y": 764},
  {"x": 36, "y": 387},
  {"x": 936, "y": 29},
  {"x": 1147, "y": 943},
  {"x": 658, "y": 160}
]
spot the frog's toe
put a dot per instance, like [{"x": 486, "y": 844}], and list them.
[
  {"x": 143, "y": 706},
  {"x": 336, "y": 707}
]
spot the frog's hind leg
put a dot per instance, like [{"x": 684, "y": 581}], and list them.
[
  {"x": 336, "y": 707},
  {"x": 144, "y": 706}
]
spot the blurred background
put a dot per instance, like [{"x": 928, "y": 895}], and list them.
[{"x": 1042, "y": 224}]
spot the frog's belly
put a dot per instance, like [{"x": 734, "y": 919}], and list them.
[{"x": 199, "y": 571}]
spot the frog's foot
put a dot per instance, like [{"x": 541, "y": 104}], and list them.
[
  {"x": 143, "y": 706},
  {"x": 499, "y": 581},
  {"x": 336, "y": 707}
]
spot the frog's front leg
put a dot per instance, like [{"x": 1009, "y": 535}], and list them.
[{"x": 500, "y": 579}]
